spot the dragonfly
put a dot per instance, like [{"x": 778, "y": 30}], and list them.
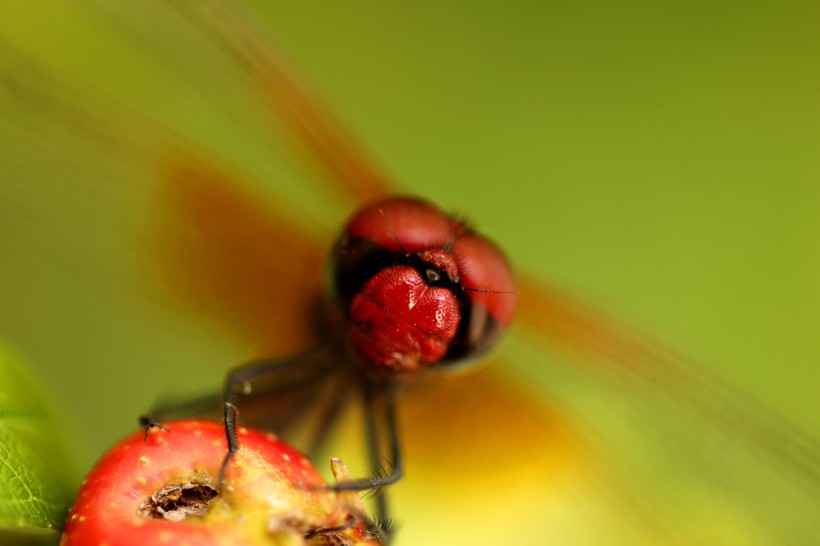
[
  {"x": 417, "y": 291},
  {"x": 156, "y": 187}
]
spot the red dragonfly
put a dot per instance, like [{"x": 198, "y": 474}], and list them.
[
  {"x": 155, "y": 246},
  {"x": 416, "y": 291}
]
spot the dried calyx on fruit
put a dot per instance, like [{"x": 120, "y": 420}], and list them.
[{"x": 163, "y": 489}]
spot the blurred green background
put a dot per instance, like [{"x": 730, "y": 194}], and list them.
[{"x": 660, "y": 161}]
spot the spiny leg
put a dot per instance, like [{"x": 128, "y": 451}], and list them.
[
  {"x": 382, "y": 430},
  {"x": 374, "y": 446},
  {"x": 271, "y": 376},
  {"x": 381, "y": 527},
  {"x": 274, "y": 376}
]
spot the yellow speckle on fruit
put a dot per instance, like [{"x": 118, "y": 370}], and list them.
[
  {"x": 112, "y": 504},
  {"x": 144, "y": 459},
  {"x": 141, "y": 480},
  {"x": 74, "y": 517},
  {"x": 286, "y": 457},
  {"x": 243, "y": 430},
  {"x": 271, "y": 436},
  {"x": 217, "y": 443},
  {"x": 197, "y": 432},
  {"x": 81, "y": 519},
  {"x": 164, "y": 536}
]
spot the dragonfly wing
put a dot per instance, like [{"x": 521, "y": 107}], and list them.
[
  {"x": 694, "y": 460},
  {"x": 313, "y": 130},
  {"x": 127, "y": 210}
]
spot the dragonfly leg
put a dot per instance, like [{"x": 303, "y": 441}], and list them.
[
  {"x": 337, "y": 399},
  {"x": 382, "y": 431},
  {"x": 265, "y": 377},
  {"x": 162, "y": 411}
]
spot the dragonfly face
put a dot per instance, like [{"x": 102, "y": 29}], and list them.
[{"x": 418, "y": 287}]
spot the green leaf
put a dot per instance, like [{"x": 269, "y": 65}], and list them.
[{"x": 34, "y": 466}]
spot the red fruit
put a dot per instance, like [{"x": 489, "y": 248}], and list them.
[{"x": 165, "y": 491}]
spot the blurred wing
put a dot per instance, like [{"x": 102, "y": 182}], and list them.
[
  {"x": 153, "y": 223},
  {"x": 698, "y": 460},
  {"x": 325, "y": 144},
  {"x": 156, "y": 227}
]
